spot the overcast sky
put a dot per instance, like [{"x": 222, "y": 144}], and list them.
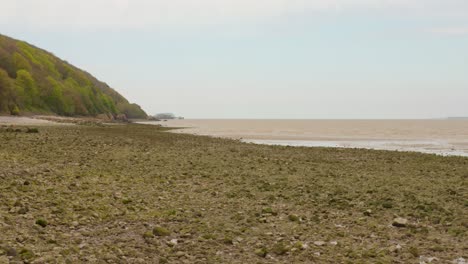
[{"x": 262, "y": 58}]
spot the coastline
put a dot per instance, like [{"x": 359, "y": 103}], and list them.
[{"x": 441, "y": 137}]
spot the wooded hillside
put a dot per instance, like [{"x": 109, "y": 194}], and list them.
[{"x": 33, "y": 80}]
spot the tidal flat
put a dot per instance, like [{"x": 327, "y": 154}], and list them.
[{"x": 137, "y": 194}]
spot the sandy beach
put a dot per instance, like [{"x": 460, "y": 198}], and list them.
[{"x": 444, "y": 137}]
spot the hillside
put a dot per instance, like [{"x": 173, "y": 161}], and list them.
[{"x": 33, "y": 80}]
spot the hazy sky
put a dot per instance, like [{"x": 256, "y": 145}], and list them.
[{"x": 262, "y": 58}]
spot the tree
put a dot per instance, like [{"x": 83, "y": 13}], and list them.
[
  {"x": 5, "y": 90},
  {"x": 27, "y": 89},
  {"x": 20, "y": 62}
]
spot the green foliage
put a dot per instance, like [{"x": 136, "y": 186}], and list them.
[
  {"x": 131, "y": 110},
  {"x": 20, "y": 62},
  {"x": 5, "y": 90},
  {"x": 26, "y": 84},
  {"x": 34, "y": 80}
]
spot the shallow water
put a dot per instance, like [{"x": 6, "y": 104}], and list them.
[
  {"x": 443, "y": 137},
  {"x": 430, "y": 147}
]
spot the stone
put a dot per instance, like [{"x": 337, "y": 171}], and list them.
[
  {"x": 395, "y": 248},
  {"x": 41, "y": 222},
  {"x": 319, "y": 243},
  {"x": 160, "y": 231},
  {"x": 400, "y": 222},
  {"x": 459, "y": 261},
  {"x": 425, "y": 260},
  {"x": 293, "y": 218},
  {"x": 261, "y": 252},
  {"x": 11, "y": 252},
  {"x": 173, "y": 242}
]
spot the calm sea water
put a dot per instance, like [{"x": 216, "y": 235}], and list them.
[{"x": 444, "y": 137}]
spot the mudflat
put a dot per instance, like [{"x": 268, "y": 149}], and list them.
[
  {"x": 447, "y": 137},
  {"x": 137, "y": 194}
]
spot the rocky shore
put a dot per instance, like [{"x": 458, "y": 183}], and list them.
[{"x": 136, "y": 194}]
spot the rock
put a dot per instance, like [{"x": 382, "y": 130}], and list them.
[
  {"x": 180, "y": 254},
  {"x": 319, "y": 243},
  {"x": 300, "y": 245},
  {"x": 44, "y": 260},
  {"x": 280, "y": 249},
  {"x": 425, "y": 260},
  {"x": 333, "y": 243},
  {"x": 160, "y": 231},
  {"x": 23, "y": 210},
  {"x": 11, "y": 252},
  {"x": 459, "y": 261},
  {"x": 394, "y": 248},
  {"x": 41, "y": 222},
  {"x": 368, "y": 212},
  {"x": 293, "y": 218},
  {"x": 148, "y": 234},
  {"x": 261, "y": 252},
  {"x": 173, "y": 242},
  {"x": 400, "y": 222}
]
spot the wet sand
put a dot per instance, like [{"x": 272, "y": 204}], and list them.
[{"x": 444, "y": 137}]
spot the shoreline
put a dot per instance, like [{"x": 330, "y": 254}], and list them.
[{"x": 428, "y": 141}]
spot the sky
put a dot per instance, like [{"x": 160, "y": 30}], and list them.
[{"x": 301, "y": 59}]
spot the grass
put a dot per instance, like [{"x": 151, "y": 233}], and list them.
[{"x": 104, "y": 190}]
